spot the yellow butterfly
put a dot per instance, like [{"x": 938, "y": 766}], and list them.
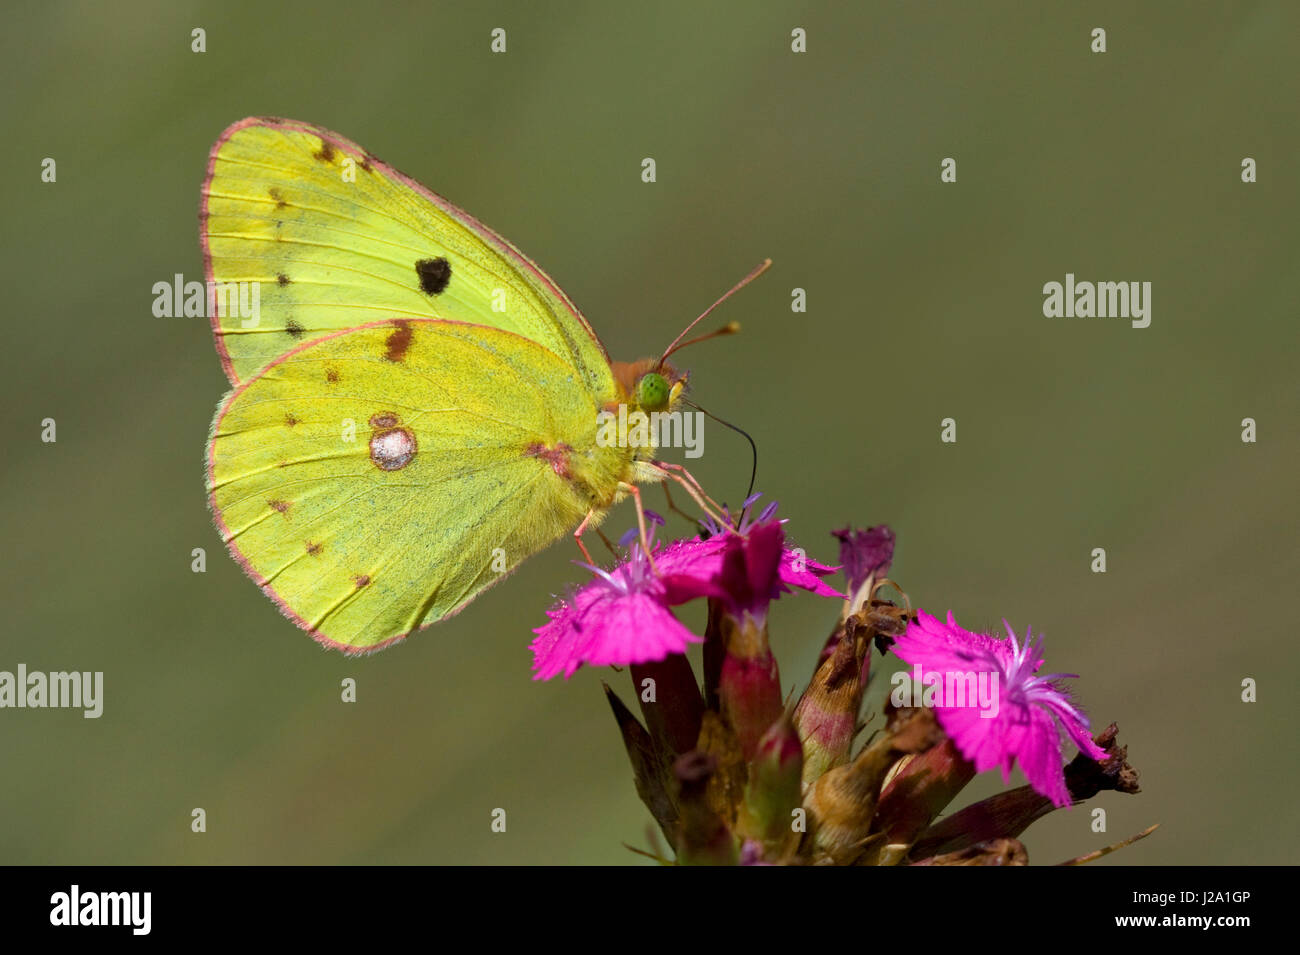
[{"x": 415, "y": 404}]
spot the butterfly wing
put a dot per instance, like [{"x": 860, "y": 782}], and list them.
[
  {"x": 334, "y": 238},
  {"x": 378, "y": 479}
]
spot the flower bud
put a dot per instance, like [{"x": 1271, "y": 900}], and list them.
[
  {"x": 842, "y": 802},
  {"x": 827, "y": 714},
  {"x": 918, "y": 791},
  {"x": 774, "y": 791},
  {"x": 749, "y": 684}
]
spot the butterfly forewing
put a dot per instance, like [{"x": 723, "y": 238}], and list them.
[{"x": 334, "y": 238}]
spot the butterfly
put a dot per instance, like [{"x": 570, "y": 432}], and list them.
[{"x": 415, "y": 402}]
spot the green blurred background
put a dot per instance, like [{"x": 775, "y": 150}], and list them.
[{"x": 924, "y": 301}]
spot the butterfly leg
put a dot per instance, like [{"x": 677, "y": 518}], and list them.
[
  {"x": 577, "y": 537},
  {"x": 692, "y": 486},
  {"x": 640, "y": 523},
  {"x": 672, "y": 505},
  {"x": 609, "y": 545}
]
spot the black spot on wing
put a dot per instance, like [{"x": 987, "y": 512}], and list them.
[
  {"x": 325, "y": 153},
  {"x": 281, "y": 279},
  {"x": 434, "y": 275},
  {"x": 294, "y": 329}
]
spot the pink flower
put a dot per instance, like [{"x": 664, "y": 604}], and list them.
[
  {"x": 1032, "y": 710},
  {"x": 740, "y": 557},
  {"x": 623, "y": 617}
]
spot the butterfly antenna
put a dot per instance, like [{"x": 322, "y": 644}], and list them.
[
  {"x": 753, "y": 471},
  {"x": 728, "y": 329}
]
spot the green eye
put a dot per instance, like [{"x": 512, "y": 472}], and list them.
[{"x": 652, "y": 392}]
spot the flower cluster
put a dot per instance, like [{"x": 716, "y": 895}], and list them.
[{"x": 733, "y": 773}]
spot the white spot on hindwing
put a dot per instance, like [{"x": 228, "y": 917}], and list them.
[{"x": 392, "y": 447}]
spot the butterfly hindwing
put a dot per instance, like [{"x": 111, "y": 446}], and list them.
[
  {"x": 334, "y": 238},
  {"x": 377, "y": 479}
]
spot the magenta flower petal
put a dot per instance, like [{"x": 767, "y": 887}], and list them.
[
  {"x": 635, "y": 630},
  {"x": 604, "y": 627},
  {"x": 691, "y": 558},
  {"x": 1033, "y": 711},
  {"x": 806, "y": 574},
  {"x": 555, "y": 649},
  {"x": 702, "y": 559},
  {"x": 750, "y": 569},
  {"x": 621, "y": 617},
  {"x": 796, "y": 569}
]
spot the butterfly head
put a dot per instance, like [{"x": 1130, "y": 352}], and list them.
[
  {"x": 656, "y": 385},
  {"x": 657, "y": 392},
  {"x": 650, "y": 385}
]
